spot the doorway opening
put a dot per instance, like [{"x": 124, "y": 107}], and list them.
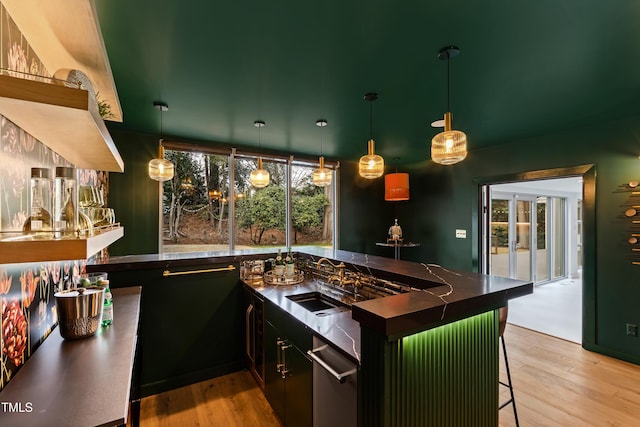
[{"x": 533, "y": 232}]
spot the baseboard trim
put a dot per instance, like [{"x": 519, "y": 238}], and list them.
[
  {"x": 612, "y": 353},
  {"x": 191, "y": 378}
]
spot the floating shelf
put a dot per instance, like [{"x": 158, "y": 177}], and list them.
[
  {"x": 66, "y": 35},
  {"x": 18, "y": 248},
  {"x": 65, "y": 119}
]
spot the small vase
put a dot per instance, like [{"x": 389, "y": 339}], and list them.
[
  {"x": 290, "y": 269},
  {"x": 278, "y": 270}
]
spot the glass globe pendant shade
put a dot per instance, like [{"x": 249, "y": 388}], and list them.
[
  {"x": 259, "y": 178},
  {"x": 450, "y": 146},
  {"x": 396, "y": 187},
  {"x": 161, "y": 169},
  {"x": 322, "y": 175},
  {"x": 371, "y": 166}
]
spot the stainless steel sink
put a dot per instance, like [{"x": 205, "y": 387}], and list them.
[{"x": 319, "y": 303}]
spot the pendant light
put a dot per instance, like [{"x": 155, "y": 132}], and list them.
[
  {"x": 259, "y": 178},
  {"x": 161, "y": 169},
  {"x": 322, "y": 175},
  {"x": 450, "y": 146},
  {"x": 371, "y": 166},
  {"x": 396, "y": 187}
]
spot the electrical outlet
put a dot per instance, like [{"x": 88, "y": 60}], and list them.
[
  {"x": 461, "y": 234},
  {"x": 632, "y": 330}
]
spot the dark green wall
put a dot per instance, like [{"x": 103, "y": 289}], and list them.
[
  {"x": 133, "y": 195},
  {"x": 446, "y": 198},
  {"x": 364, "y": 220}
]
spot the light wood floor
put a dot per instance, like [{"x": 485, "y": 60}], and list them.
[
  {"x": 557, "y": 383},
  {"x": 230, "y": 401}
]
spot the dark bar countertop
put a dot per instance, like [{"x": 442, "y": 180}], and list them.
[
  {"x": 338, "y": 329},
  {"x": 440, "y": 296},
  {"x": 83, "y": 382}
]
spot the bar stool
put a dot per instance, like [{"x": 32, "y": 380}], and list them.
[{"x": 502, "y": 323}]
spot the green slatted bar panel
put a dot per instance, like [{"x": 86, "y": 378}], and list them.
[{"x": 446, "y": 376}]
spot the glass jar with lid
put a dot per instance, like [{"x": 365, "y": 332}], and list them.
[
  {"x": 65, "y": 201},
  {"x": 40, "y": 214}
]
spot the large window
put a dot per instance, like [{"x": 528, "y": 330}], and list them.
[
  {"x": 261, "y": 213},
  {"x": 210, "y": 205},
  {"x": 311, "y": 210}
]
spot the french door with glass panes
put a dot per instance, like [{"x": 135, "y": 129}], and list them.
[
  {"x": 527, "y": 235},
  {"x": 551, "y": 238},
  {"x": 512, "y": 237}
]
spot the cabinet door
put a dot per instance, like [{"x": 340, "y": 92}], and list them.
[
  {"x": 292, "y": 397},
  {"x": 191, "y": 326},
  {"x": 254, "y": 334},
  {"x": 273, "y": 382},
  {"x": 298, "y": 388},
  {"x": 259, "y": 337},
  {"x": 250, "y": 327}
]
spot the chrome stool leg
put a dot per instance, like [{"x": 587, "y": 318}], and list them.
[{"x": 512, "y": 400}]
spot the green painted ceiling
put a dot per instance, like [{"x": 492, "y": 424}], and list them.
[{"x": 525, "y": 68}]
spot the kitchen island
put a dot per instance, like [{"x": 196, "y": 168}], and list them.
[{"x": 425, "y": 357}]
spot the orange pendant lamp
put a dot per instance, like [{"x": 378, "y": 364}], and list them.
[{"x": 396, "y": 187}]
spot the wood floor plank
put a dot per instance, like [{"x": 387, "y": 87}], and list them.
[
  {"x": 169, "y": 409},
  {"x": 558, "y": 382},
  {"x": 232, "y": 400},
  {"x": 572, "y": 398},
  {"x": 212, "y": 405}
]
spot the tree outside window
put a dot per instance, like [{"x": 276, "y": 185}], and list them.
[{"x": 196, "y": 205}]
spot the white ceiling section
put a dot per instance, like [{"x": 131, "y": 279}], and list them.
[{"x": 550, "y": 187}]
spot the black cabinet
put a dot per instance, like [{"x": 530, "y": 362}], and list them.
[
  {"x": 254, "y": 335},
  {"x": 191, "y": 325},
  {"x": 288, "y": 370}
]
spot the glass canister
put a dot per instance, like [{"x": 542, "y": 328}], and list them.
[
  {"x": 40, "y": 215},
  {"x": 65, "y": 202}
]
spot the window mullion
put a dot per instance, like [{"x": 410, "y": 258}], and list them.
[
  {"x": 231, "y": 208},
  {"x": 289, "y": 203}
]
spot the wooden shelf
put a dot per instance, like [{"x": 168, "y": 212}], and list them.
[
  {"x": 65, "y": 119},
  {"x": 66, "y": 36},
  {"x": 19, "y": 248}
]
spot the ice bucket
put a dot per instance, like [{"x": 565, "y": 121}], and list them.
[{"x": 79, "y": 311}]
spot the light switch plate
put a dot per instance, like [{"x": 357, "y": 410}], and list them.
[{"x": 461, "y": 234}]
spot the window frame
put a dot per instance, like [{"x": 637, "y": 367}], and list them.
[{"x": 233, "y": 153}]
